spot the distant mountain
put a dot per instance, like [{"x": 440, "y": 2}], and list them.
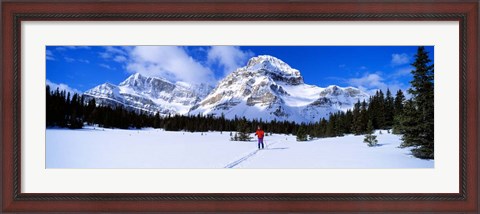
[
  {"x": 266, "y": 88},
  {"x": 151, "y": 94},
  {"x": 270, "y": 89}
]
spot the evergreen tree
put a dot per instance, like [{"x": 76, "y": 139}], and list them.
[
  {"x": 370, "y": 138},
  {"x": 330, "y": 130},
  {"x": 49, "y": 107},
  {"x": 234, "y": 137},
  {"x": 363, "y": 119},
  {"x": 243, "y": 130},
  {"x": 409, "y": 124},
  {"x": 421, "y": 132},
  {"x": 348, "y": 120},
  {"x": 356, "y": 126},
  {"x": 340, "y": 126},
  {"x": 376, "y": 111},
  {"x": 389, "y": 110},
  {"x": 156, "y": 120},
  {"x": 302, "y": 134},
  {"x": 398, "y": 112},
  {"x": 398, "y": 103},
  {"x": 75, "y": 120},
  {"x": 322, "y": 127},
  {"x": 380, "y": 110},
  {"x": 89, "y": 112}
]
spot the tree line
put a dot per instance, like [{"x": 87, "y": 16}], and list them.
[
  {"x": 74, "y": 111},
  {"x": 64, "y": 110},
  {"x": 383, "y": 111}
]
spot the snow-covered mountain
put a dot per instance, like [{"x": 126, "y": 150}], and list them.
[
  {"x": 270, "y": 89},
  {"x": 266, "y": 88},
  {"x": 150, "y": 94}
]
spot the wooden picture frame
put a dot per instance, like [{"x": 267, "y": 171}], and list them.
[{"x": 13, "y": 13}]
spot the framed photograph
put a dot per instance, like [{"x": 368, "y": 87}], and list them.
[{"x": 244, "y": 107}]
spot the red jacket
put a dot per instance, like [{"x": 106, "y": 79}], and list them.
[{"x": 259, "y": 133}]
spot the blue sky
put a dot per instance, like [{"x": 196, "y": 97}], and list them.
[{"x": 79, "y": 68}]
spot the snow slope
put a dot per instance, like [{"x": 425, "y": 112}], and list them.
[{"x": 154, "y": 148}]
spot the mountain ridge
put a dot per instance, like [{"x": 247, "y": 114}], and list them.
[{"x": 265, "y": 88}]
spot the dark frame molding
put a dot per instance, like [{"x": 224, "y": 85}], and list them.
[
  {"x": 14, "y": 200},
  {"x": 228, "y": 197}
]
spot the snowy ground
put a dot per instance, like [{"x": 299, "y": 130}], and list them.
[{"x": 154, "y": 148}]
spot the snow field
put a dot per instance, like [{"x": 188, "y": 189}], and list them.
[
  {"x": 348, "y": 152},
  {"x": 154, "y": 148}
]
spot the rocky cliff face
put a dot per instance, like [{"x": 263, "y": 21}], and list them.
[{"x": 269, "y": 89}]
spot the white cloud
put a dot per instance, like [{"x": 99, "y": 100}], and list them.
[
  {"x": 403, "y": 72},
  {"x": 78, "y": 47},
  {"x": 60, "y": 48},
  {"x": 400, "y": 59},
  {"x": 49, "y": 55},
  {"x": 62, "y": 87},
  {"x": 117, "y": 54},
  {"x": 115, "y": 50},
  {"x": 105, "y": 55},
  {"x": 68, "y": 59},
  {"x": 371, "y": 82},
  {"x": 106, "y": 66},
  {"x": 368, "y": 82},
  {"x": 229, "y": 57},
  {"x": 170, "y": 62},
  {"x": 84, "y": 61},
  {"x": 175, "y": 63},
  {"x": 120, "y": 58},
  {"x": 64, "y": 48}
]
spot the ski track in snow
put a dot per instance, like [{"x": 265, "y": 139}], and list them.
[
  {"x": 99, "y": 148},
  {"x": 246, "y": 157}
]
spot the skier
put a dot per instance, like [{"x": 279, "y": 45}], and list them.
[{"x": 260, "y": 134}]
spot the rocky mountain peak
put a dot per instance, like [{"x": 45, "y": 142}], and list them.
[
  {"x": 270, "y": 89},
  {"x": 274, "y": 68},
  {"x": 140, "y": 82},
  {"x": 270, "y": 61}
]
